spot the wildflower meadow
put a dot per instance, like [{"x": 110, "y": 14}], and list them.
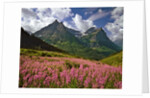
[{"x": 67, "y": 72}]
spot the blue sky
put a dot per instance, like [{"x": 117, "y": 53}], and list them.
[
  {"x": 87, "y": 12},
  {"x": 100, "y": 22},
  {"x": 81, "y": 19}
]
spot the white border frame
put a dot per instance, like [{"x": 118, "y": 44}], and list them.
[{"x": 132, "y": 49}]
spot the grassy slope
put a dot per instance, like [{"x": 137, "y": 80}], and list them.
[
  {"x": 31, "y": 52},
  {"x": 114, "y": 60}
]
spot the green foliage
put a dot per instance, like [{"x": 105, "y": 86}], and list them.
[
  {"x": 113, "y": 60},
  {"x": 73, "y": 84},
  {"x": 85, "y": 65},
  {"x": 79, "y": 50},
  {"x": 70, "y": 64},
  {"x": 31, "y": 52},
  {"x": 110, "y": 83}
]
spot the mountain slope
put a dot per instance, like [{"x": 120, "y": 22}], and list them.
[
  {"x": 69, "y": 40},
  {"x": 58, "y": 35},
  {"x": 74, "y": 32},
  {"x": 114, "y": 60},
  {"x": 90, "y": 30},
  {"x": 97, "y": 38},
  {"x": 30, "y": 42}
]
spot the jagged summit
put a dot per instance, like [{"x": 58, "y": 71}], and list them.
[
  {"x": 56, "y": 22},
  {"x": 90, "y": 30},
  {"x": 94, "y": 29},
  {"x": 99, "y": 38}
]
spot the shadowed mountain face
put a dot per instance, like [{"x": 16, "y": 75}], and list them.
[
  {"x": 97, "y": 38},
  {"x": 74, "y": 32},
  {"x": 30, "y": 42},
  {"x": 90, "y": 30},
  {"x": 94, "y": 45}
]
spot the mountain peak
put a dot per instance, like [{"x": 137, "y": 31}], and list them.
[
  {"x": 55, "y": 22},
  {"x": 90, "y": 30},
  {"x": 100, "y": 30}
]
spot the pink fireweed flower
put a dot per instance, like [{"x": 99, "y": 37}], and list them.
[
  {"x": 39, "y": 85},
  {"x": 35, "y": 83},
  {"x": 48, "y": 78},
  {"x": 44, "y": 71},
  {"x": 81, "y": 66},
  {"x": 76, "y": 74},
  {"x": 25, "y": 84},
  {"x": 24, "y": 71},
  {"x": 40, "y": 73},
  {"x": 72, "y": 72},
  {"x": 35, "y": 70},
  {"x": 102, "y": 86},
  {"x": 36, "y": 77},
  {"x": 94, "y": 74},
  {"x": 68, "y": 80},
  {"x": 118, "y": 84},
  {"x": 30, "y": 79},
  {"x": 47, "y": 81},
  {"x": 80, "y": 78},
  {"x": 58, "y": 83},
  {"x": 26, "y": 77},
  {"x": 54, "y": 77},
  {"x": 94, "y": 85},
  {"x": 86, "y": 82},
  {"x": 43, "y": 75}
]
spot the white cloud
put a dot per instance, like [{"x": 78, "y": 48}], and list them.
[
  {"x": 34, "y": 20},
  {"x": 81, "y": 24},
  {"x": 116, "y": 27},
  {"x": 61, "y": 13},
  {"x": 88, "y": 13},
  {"x": 98, "y": 15},
  {"x": 70, "y": 25},
  {"x": 28, "y": 13},
  {"x": 117, "y": 12}
]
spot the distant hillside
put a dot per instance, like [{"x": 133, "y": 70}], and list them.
[
  {"x": 114, "y": 60},
  {"x": 30, "y": 42}
]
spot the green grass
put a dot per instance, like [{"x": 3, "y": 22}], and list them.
[
  {"x": 70, "y": 64},
  {"x": 113, "y": 60},
  {"x": 32, "y": 52}
]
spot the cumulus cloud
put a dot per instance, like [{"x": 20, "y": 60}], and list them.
[
  {"x": 35, "y": 19},
  {"x": 61, "y": 13},
  {"x": 70, "y": 24},
  {"x": 88, "y": 13},
  {"x": 81, "y": 24},
  {"x": 116, "y": 27},
  {"x": 28, "y": 13},
  {"x": 117, "y": 12},
  {"x": 100, "y": 14}
]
